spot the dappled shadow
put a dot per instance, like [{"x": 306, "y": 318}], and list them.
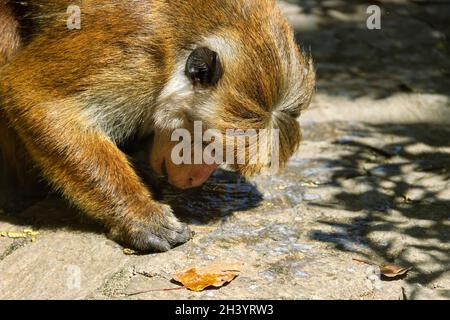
[
  {"x": 400, "y": 187},
  {"x": 224, "y": 193},
  {"x": 394, "y": 177},
  {"x": 411, "y": 53}
]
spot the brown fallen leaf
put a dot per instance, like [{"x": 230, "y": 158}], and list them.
[
  {"x": 216, "y": 275},
  {"x": 387, "y": 270},
  {"x": 392, "y": 270}
]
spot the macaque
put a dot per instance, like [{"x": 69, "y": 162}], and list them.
[{"x": 70, "y": 97}]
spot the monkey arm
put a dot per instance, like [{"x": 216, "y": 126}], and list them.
[{"x": 87, "y": 167}]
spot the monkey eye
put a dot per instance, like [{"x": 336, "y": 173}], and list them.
[{"x": 203, "y": 67}]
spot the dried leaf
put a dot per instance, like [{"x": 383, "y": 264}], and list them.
[
  {"x": 31, "y": 232},
  {"x": 16, "y": 235},
  {"x": 27, "y": 233},
  {"x": 387, "y": 270},
  {"x": 198, "y": 279},
  {"x": 129, "y": 252},
  {"x": 392, "y": 270}
]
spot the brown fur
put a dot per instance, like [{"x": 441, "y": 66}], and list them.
[
  {"x": 9, "y": 33},
  {"x": 71, "y": 96}
]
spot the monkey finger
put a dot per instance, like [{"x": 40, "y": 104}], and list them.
[{"x": 179, "y": 236}]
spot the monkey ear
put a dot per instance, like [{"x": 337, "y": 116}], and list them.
[{"x": 203, "y": 67}]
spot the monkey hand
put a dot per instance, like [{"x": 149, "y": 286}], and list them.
[{"x": 160, "y": 231}]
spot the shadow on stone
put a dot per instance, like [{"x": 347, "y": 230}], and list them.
[
  {"x": 410, "y": 54},
  {"x": 224, "y": 193},
  {"x": 404, "y": 195}
]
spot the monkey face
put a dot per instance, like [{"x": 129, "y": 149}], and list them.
[{"x": 247, "y": 74}]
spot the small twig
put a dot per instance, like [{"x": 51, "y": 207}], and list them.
[
  {"x": 365, "y": 261},
  {"x": 154, "y": 290}
]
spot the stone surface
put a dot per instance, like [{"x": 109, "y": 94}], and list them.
[{"x": 371, "y": 180}]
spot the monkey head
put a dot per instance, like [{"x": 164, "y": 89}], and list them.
[{"x": 236, "y": 66}]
